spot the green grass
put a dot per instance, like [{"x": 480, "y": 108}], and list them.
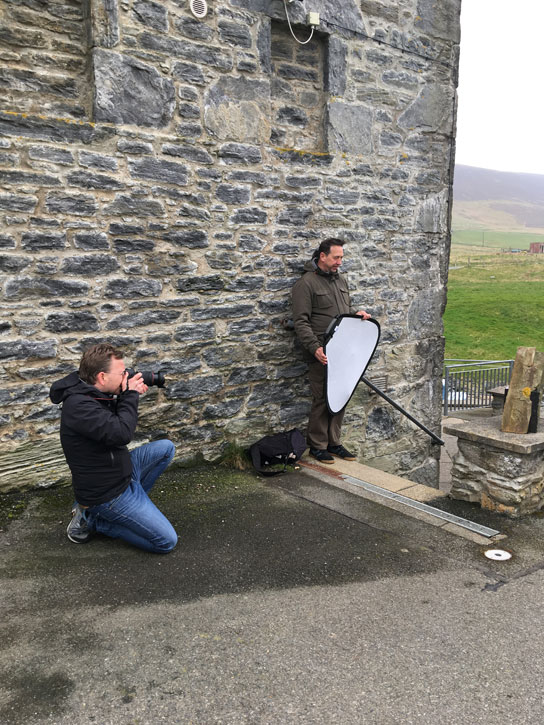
[
  {"x": 495, "y": 239},
  {"x": 495, "y": 305}
]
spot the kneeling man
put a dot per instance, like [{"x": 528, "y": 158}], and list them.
[{"x": 111, "y": 483}]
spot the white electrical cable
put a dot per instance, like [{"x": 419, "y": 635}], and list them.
[{"x": 302, "y": 42}]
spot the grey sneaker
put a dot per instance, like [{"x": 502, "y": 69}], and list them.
[{"x": 78, "y": 530}]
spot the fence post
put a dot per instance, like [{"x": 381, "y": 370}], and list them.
[{"x": 445, "y": 389}]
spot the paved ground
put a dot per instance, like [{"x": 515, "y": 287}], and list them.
[{"x": 286, "y": 601}]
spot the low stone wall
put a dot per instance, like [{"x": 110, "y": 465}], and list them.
[{"x": 503, "y": 472}]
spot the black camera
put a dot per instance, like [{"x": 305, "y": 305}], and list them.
[{"x": 149, "y": 377}]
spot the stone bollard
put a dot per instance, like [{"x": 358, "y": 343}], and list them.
[{"x": 527, "y": 379}]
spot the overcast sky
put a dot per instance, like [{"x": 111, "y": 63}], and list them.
[{"x": 500, "y": 120}]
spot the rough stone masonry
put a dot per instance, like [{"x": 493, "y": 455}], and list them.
[{"x": 164, "y": 178}]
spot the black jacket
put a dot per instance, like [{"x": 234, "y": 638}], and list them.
[{"x": 95, "y": 429}]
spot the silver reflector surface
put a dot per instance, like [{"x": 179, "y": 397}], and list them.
[{"x": 349, "y": 348}]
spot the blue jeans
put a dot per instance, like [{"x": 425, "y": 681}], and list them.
[{"x": 132, "y": 516}]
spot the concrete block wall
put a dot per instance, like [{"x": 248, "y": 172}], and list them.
[{"x": 162, "y": 181}]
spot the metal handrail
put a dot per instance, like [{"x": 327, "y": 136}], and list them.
[
  {"x": 476, "y": 363},
  {"x": 434, "y": 437},
  {"x": 472, "y": 393}
]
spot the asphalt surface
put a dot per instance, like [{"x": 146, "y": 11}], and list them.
[{"x": 285, "y": 601}]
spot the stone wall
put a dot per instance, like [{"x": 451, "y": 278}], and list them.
[
  {"x": 503, "y": 472},
  {"x": 162, "y": 181}
]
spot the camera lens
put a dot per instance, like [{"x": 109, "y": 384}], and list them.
[{"x": 149, "y": 377}]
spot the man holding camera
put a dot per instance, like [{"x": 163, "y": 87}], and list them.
[
  {"x": 318, "y": 296},
  {"x": 111, "y": 484}
]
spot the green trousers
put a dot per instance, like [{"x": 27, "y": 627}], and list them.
[{"x": 324, "y": 429}]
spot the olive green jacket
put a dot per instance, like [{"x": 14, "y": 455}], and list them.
[{"x": 317, "y": 298}]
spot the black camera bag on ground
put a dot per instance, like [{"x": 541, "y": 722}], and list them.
[{"x": 286, "y": 448}]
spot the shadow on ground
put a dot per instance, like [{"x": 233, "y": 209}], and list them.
[{"x": 236, "y": 533}]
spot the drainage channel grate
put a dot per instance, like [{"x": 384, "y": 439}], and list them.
[{"x": 450, "y": 518}]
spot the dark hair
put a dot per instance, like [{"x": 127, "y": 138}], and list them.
[
  {"x": 326, "y": 245},
  {"x": 97, "y": 359}
]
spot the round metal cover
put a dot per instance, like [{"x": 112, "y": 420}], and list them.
[
  {"x": 498, "y": 554},
  {"x": 199, "y": 8}
]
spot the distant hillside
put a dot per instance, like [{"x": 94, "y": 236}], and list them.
[{"x": 497, "y": 200}]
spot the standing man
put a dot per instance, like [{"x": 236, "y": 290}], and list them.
[
  {"x": 98, "y": 420},
  {"x": 318, "y": 296}
]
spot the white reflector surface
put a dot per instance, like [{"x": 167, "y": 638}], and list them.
[{"x": 348, "y": 352}]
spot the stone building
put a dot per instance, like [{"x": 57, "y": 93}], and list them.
[{"x": 164, "y": 177}]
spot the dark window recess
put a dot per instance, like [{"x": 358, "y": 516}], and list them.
[
  {"x": 298, "y": 96},
  {"x": 47, "y": 72}
]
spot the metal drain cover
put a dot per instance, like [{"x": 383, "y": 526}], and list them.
[{"x": 498, "y": 554}]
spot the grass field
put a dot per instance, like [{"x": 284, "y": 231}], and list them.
[
  {"x": 495, "y": 304},
  {"x": 494, "y": 239}
]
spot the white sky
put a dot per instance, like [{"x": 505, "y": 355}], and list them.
[{"x": 500, "y": 119}]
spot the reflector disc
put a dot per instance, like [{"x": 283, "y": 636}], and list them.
[{"x": 349, "y": 345}]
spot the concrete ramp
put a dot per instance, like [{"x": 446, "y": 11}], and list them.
[{"x": 425, "y": 503}]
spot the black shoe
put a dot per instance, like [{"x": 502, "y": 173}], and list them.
[
  {"x": 341, "y": 452},
  {"x": 321, "y": 455},
  {"x": 78, "y": 530}
]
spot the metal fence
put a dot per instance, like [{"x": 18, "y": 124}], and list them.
[{"x": 466, "y": 382}]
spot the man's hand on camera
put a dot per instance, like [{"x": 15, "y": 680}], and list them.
[
  {"x": 363, "y": 314},
  {"x": 320, "y": 356},
  {"x": 136, "y": 383}
]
